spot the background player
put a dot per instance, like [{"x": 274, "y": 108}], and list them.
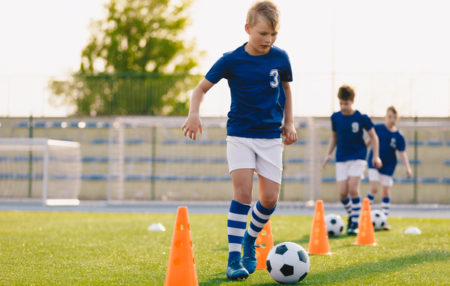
[
  {"x": 391, "y": 140},
  {"x": 347, "y": 135}
]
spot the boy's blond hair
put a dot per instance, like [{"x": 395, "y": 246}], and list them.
[
  {"x": 346, "y": 92},
  {"x": 266, "y": 9},
  {"x": 392, "y": 109}
]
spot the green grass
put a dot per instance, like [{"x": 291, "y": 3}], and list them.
[{"x": 46, "y": 248}]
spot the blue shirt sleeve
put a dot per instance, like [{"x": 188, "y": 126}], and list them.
[
  {"x": 401, "y": 146},
  {"x": 286, "y": 72},
  {"x": 367, "y": 122},
  {"x": 333, "y": 123},
  {"x": 218, "y": 71}
]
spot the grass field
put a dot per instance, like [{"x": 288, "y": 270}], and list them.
[{"x": 48, "y": 248}]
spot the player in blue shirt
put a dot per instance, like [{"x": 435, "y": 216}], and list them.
[
  {"x": 347, "y": 135},
  {"x": 391, "y": 141},
  {"x": 258, "y": 75}
]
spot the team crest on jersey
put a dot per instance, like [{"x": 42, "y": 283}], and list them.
[
  {"x": 393, "y": 143},
  {"x": 355, "y": 127}
]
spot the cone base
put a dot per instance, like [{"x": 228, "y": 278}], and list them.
[{"x": 355, "y": 243}]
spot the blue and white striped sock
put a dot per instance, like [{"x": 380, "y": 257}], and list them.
[
  {"x": 385, "y": 205},
  {"x": 356, "y": 209},
  {"x": 236, "y": 225},
  {"x": 371, "y": 198},
  {"x": 347, "y": 205},
  {"x": 260, "y": 215}
]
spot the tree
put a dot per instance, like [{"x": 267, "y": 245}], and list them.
[{"x": 135, "y": 61}]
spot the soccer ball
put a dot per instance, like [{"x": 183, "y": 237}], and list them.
[
  {"x": 287, "y": 263},
  {"x": 379, "y": 219},
  {"x": 335, "y": 224}
]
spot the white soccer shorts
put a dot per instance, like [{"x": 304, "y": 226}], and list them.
[
  {"x": 262, "y": 155},
  {"x": 375, "y": 176},
  {"x": 351, "y": 168}
]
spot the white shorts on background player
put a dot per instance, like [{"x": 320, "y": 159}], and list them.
[
  {"x": 351, "y": 168},
  {"x": 375, "y": 176},
  {"x": 262, "y": 155}
]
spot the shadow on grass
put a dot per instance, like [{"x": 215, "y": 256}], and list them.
[
  {"x": 383, "y": 266},
  {"x": 217, "y": 279},
  {"x": 357, "y": 271},
  {"x": 304, "y": 240}
]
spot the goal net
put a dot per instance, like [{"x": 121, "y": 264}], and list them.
[{"x": 40, "y": 168}]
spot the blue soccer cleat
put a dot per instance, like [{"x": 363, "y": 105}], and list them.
[
  {"x": 249, "y": 257},
  {"x": 352, "y": 229},
  {"x": 235, "y": 270}
]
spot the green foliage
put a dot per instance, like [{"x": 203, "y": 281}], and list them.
[
  {"x": 51, "y": 248},
  {"x": 135, "y": 62}
]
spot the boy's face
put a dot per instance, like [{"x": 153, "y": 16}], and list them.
[
  {"x": 346, "y": 105},
  {"x": 390, "y": 118},
  {"x": 261, "y": 37}
]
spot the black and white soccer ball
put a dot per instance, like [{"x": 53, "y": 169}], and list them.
[
  {"x": 287, "y": 263},
  {"x": 335, "y": 224},
  {"x": 379, "y": 219}
]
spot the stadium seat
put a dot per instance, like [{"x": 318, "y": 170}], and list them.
[
  {"x": 429, "y": 180},
  {"x": 419, "y": 143},
  {"x": 435, "y": 143},
  {"x": 328, "y": 180}
]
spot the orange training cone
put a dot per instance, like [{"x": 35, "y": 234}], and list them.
[
  {"x": 181, "y": 268},
  {"x": 366, "y": 233},
  {"x": 318, "y": 240},
  {"x": 264, "y": 243}
]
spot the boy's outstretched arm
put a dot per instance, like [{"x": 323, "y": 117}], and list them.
[
  {"x": 405, "y": 160},
  {"x": 193, "y": 123},
  {"x": 330, "y": 149},
  {"x": 376, "y": 161},
  {"x": 288, "y": 129}
]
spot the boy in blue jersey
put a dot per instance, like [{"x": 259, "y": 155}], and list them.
[
  {"x": 347, "y": 136},
  {"x": 391, "y": 140},
  {"x": 258, "y": 75}
]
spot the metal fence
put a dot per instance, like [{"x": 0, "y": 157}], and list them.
[{"x": 147, "y": 158}]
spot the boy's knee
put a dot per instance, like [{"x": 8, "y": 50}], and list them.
[
  {"x": 353, "y": 193},
  {"x": 269, "y": 203},
  {"x": 343, "y": 196},
  {"x": 243, "y": 196}
]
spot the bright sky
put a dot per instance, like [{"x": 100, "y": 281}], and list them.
[{"x": 391, "y": 51}]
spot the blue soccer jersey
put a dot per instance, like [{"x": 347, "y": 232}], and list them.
[
  {"x": 350, "y": 143},
  {"x": 389, "y": 143},
  {"x": 257, "y": 93}
]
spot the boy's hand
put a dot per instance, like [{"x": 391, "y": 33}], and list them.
[
  {"x": 376, "y": 161},
  {"x": 289, "y": 133},
  {"x": 191, "y": 126},
  {"x": 325, "y": 161},
  {"x": 408, "y": 173}
]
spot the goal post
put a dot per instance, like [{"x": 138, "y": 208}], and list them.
[{"x": 40, "y": 168}]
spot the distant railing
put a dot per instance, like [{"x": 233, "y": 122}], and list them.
[{"x": 159, "y": 163}]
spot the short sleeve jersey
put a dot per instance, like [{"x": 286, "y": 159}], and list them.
[
  {"x": 257, "y": 93},
  {"x": 390, "y": 142},
  {"x": 349, "y": 130}
]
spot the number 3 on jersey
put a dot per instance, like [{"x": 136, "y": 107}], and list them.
[{"x": 274, "y": 74}]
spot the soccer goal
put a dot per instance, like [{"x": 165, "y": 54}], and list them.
[
  {"x": 40, "y": 168},
  {"x": 149, "y": 158}
]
